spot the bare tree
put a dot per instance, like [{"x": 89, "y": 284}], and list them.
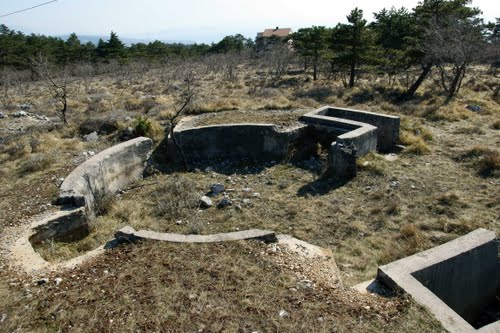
[
  {"x": 59, "y": 82},
  {"x": 182, "y": 102},
  {"x": 7, "y": 82},
  {"x": 86, "y": 72},
  {"x": 453, "y": 44},
  {"x": 278, "y": 59}
]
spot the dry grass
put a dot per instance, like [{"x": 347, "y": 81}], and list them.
[
  {"x": 184, "y": 288},
  {"x": 484, "y": 160},
  {"x": 432, "y": 193}
]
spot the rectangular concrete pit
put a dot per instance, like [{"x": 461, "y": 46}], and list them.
[{"x": 455, "y": 281}]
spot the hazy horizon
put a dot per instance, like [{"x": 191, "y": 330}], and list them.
[{"x": 191, "y": 20}]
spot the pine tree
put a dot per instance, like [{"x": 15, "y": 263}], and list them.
[{"x": 352, "y": 44}]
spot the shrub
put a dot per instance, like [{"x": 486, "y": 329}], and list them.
[
  {"x": 142, "y": 126},
  {"x": 485, "y": 160},
  {"x": 35, "y": 162},
  {"x": 176, "y": 198}
]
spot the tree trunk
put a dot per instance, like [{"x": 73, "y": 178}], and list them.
[
  {"x": 315, "y": 71},
  {"x": 418, "y": 82},
  {"x": 455, "y": 84},
  {"x": 352, "y": 76}
]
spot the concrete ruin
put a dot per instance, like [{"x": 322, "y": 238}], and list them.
[
  {"x": 252, "y": 142},
  {"x": 128, "y": 234},
  {"x": 348, "y": 134},
  {"x": 455, "y": 281},
  {"x": 80, "y": 195},
  {"x": 105, "y": 173}
]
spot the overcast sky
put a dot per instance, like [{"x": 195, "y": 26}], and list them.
[{"x": 194, "y": 20}]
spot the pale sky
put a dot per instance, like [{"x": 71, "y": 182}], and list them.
[{"x": 194, "y": 20}]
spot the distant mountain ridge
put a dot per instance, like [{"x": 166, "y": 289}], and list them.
[{"x": 126, "y": 40}]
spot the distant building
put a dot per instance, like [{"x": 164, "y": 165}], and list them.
[
  {"x": 278, "y": 32},
  {"x": 270, "y": 37}
]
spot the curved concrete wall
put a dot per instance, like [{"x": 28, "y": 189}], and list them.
[
  {"x": 105, "y": 173},
  {"x": 254, "y": 142}
]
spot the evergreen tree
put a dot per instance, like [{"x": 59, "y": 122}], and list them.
[
  {"x": 352, "y": 44},
  {"x": 311, "y": 44},
  {"x": 393, "y": 31}
]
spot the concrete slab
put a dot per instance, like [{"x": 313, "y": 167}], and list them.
[{"x": 129, "y": 234}]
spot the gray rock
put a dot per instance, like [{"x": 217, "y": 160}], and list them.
[
  {"x": 18, "y": 114},
  {"x": 42, "y": 281},
  {"x": 205, "y": 202},
  {"x": 395, "y": 184},
  {"x": 26, "y": 106},
  {"x": 217, "y": 188},
  {"x": 473, "y": 108},
  {"x": 2, "y": 115},
  {"x": 92, "y": 137},
  {"x": 224, "y": 203},
  {"x": 283, "y": 313},
  {"x": 306, "y": 284}
]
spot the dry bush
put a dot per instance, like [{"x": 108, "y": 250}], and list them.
[
  {"x": 176, "y": 198},
  {"x": 280, "y": 103},
  {"x": 448, "y": 204},
  {"x": 484, "y": 160},
  {"x": 452, "y": 112},
  {"x": 413, "y": 237},
  {"x": 372, "y": 163},
  {"x": 414, "y": 136},
  {"x": 415, "y": 145},
  {"x": 34, "y": 163}
]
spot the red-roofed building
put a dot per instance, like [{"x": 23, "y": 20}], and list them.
[
  {"x": 278, "y": 32},
  {"x": 269, "y": 37}
]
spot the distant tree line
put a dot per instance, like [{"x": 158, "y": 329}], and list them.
[
  {"x": 445, "y": 35},
  {"x": 18, "y": 49}
]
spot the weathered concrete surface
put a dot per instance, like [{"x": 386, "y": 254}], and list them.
[
  {"x": 105, "y": 173},
  {"x": 253, "y": 142},
  {"x": 342, "y": 161},
  {"x": 58, "y": 224},
  {"x": 64, "y": 225},
  {"x": 129, "y": 234},
  {"x": 387, "y": 126},
  {"x": 463, "y": 274},
  {"x": 348, "y": 138}
]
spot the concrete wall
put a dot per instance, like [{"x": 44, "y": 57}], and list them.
[
  {"x": 387, "y": 126},
  {"x": 454, "y": 280},
  {"x": 466, "y": 282},
  {"x": 253, "y": 142},
  {"x": 105, "y": 173}
]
